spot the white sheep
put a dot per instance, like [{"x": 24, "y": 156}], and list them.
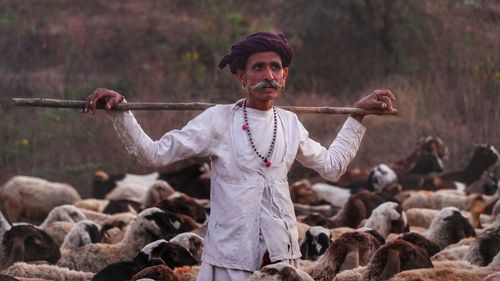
[
  {"x": 46, "y": 272},
  {"x": 446, "y": 271},
  {"x": 279, "y": 271},
  {"x": 478, "y": 250},
  {"x": 82, "y": 233},
  {"x": 383, "y": 219},
  {"x": 92, "y": 204},
  {"x": 191, "y": 241},
  {"x": 485, "y": 247},
  {"x": 422, "y": 217},
  {"x": 113, "y": 229},
  {"x": 4, "y": 225},
  {"x": 158, "y": 191},
  {"x": 132, "y": 187},
  {"x": 60, "y": 220},
  {"x": 315, "y": 243},
  {"x": 94, "y": 257},
  {"x": 336, "y": 196},
  {"x": 30, "y": 198},
  {"x": 449, "y": 227},
  {"x": 439, "y": 200},
  {"x": 67, "y": 213},
  {"x": 349, "y": 251},
  {"x": 101, "y": 218},
  {"x": 381, "y": 177},
  {"x": 474, "y": 203}
]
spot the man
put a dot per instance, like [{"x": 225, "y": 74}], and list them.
[{"x": 251, "y": 145}]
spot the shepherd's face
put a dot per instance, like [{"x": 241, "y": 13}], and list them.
[{"x": 263, "y": 77}]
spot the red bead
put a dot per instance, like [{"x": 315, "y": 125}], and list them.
[
  {"x": 244, "y": 127},
  {"x": 268, "y": 163}
]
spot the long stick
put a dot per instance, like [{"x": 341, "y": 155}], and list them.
[{"x": 41, "y": 102}]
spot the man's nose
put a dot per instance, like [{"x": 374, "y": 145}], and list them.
[{"x": 268, "y": 74}]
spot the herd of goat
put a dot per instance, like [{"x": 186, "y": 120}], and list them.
[{"x": 408, "y": 220}]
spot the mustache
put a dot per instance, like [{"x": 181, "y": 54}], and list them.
[{"x": 266, "y": 84}]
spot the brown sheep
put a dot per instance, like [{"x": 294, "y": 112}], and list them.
[
  {"x": 394, "y": 257},
  {"x": 28, "y": 243},
  {"x": 350, "y": 250}
]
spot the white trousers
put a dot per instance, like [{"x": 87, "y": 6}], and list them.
[{"x": 210, "y": 272}]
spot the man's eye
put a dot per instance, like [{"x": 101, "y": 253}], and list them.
[
  {"x": 275, "y": 67},
  {"x": 258, "y": 67}
]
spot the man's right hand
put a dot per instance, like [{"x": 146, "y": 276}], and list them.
[{"x": 102, "y": 95}]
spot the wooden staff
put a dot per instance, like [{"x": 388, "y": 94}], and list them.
[{"x": 41, "y": 102}]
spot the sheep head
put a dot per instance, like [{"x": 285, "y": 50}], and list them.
[
  {"x": 449, "y": 227},
  {"x": 28, "y": 243},
  {"x": 68, "y": 213},
  {"x": 161, "y": 224},
  {"x": 388, "y": 218},
  {"x": 394, "y": 257},
  {"x": 302, "y": 192},
  {"x": 380, "y": 177},
  {"x": 486, "y": 246},
  {"x": 316, "y": 241},
  {"x": 158, "y": 191},
  {"x": 103, "y": 183},
  {"x": 349, "y": 251},
  {"x": 484, "y": 156},
  {"x": 191, "y": 241},
  {"x": 157, "y": 272},
  {"x": 163, "y": 252},
  {"x": 419, "y": 240},
  {"x": 82, "y": 233},
  {"x": 434, "y": 145},
  {"x": 280, "y": 271}
]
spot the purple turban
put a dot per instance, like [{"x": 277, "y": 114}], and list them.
[{"x": 256, "y": 43}]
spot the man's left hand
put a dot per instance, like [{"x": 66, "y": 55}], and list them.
[{"x": 377, "y": 100}]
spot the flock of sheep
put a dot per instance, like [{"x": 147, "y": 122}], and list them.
[{"x": 407, "y": 220}]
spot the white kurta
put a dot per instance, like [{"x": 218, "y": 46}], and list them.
[{"x": 246, "y": 197}]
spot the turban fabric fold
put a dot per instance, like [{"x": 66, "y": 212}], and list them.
[{"x": 256, "y": 43}]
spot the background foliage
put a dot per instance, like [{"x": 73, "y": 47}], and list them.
[{"x": 441, "y": 59}]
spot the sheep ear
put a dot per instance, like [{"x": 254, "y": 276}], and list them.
[
  {"x": 358, "y": 204},
  {"x": 93, "y": 233},
  {"x": 16, "y": 253},
  {"x": 304, "y": 250},
  {"x": 392, "y": 265},
  {"x": 351, "y": 261},
  {"x": 66, "y": 217},
  {"x": 289, "y": 274},
  {"x": 394, "y": 215}
]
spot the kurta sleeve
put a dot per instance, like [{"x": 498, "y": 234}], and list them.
[
  {"x": 331, "y": 163},
  {"x": 194, "y": 139}
]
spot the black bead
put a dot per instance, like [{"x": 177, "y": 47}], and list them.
[{"x": 271, "y": 148}]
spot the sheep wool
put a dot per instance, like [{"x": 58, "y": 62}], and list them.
[
  {"x": 31, "y": 198},
  {"x": 279, "y": 271},
  {"x": 94, "y": 257},
  {"x": 48, "y": 272}
]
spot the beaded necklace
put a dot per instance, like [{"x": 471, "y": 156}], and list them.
[{"x": 246, "y": 127}]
